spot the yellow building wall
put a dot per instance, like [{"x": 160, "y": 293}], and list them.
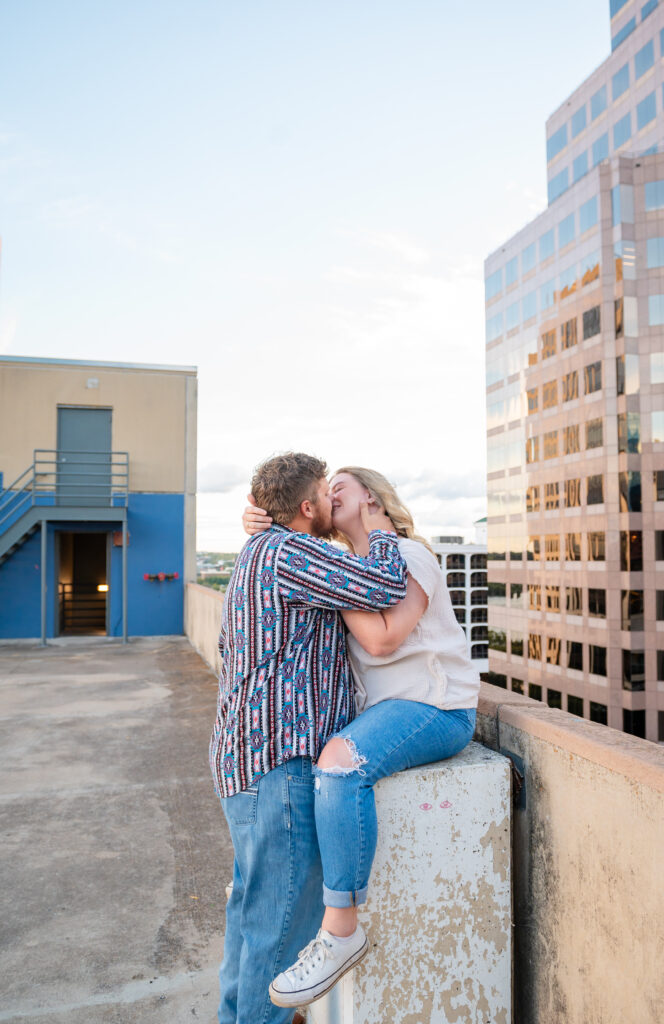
[{"x": 153, "y": 417}]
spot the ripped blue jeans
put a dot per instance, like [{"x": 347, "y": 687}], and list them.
[{"x": 384, "y": 739}]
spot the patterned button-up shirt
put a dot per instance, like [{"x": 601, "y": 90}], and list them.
[{"x": 285, "y": 686}]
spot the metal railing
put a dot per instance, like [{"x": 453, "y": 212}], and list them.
[{"x": 69, "y": 479}]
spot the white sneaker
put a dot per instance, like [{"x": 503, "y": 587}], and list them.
[{"x": 319, "y": 967}]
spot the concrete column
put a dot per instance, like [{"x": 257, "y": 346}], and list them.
[{"x": 439, "y": 908}]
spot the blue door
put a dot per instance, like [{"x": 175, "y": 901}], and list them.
[{"x": 84, "y": 457}]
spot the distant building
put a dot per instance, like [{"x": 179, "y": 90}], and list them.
[
  {"x": 465, "y": 571},
  {"x": 97, "y": 497},
  {"x": 575, "y": 404}
]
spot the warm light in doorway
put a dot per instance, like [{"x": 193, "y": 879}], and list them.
[{"x": 102, "y": 587}]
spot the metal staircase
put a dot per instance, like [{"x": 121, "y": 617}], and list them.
[{"x": 66, "y": 486}]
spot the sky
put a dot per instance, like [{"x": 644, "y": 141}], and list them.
[{"x": 295, "y": 197}]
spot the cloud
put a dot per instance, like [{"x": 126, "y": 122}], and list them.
[
  {"x": 440, "y": 486},
  {"x": 220, "y": 478}
]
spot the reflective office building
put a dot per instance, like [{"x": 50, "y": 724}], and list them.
[{"x": 575, "y": 404}]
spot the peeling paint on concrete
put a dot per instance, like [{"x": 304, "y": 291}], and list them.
[{"x": 438, "y": 914}]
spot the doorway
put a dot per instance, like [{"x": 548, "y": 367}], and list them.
[
  {"x": 84, "y": 457},
  {"x": 83, "y": 589}
]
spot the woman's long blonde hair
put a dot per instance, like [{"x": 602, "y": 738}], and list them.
[{"x": 384, "y": 494}]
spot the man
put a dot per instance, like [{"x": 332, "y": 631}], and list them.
[{"x": 284, "y": 689}]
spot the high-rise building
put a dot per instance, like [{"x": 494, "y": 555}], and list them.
[
  {"x": 575, "y": 404},
  {"x": 464, "y": 565}
]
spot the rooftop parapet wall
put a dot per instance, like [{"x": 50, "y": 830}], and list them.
[{"x": 588, "y": 835}]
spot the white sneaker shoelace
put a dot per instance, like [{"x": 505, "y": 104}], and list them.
[{"x": 315, "y": 953}]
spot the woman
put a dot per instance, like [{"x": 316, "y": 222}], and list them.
[{"x": 415, "y": 693}]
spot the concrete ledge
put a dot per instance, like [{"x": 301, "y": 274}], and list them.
[
  {"x": 202, "y": 621},
  {"x": 438, "y": 915}
]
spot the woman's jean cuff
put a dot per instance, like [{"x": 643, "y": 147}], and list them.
[{"x": 340, "y": 900}]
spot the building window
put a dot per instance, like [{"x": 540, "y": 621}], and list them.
[
  {"x": 548, "y": 344},
  {"x": 631, "y": 608},
  {"x": 496, "y": 594},
  {"x": 479, "y": 651},
  {"x": 553, "y": 600},
  {"x": 643, "y": 61},
  {"x": 596, "y": 546},
  {"x": 631, "y": 551},
  {"x": 573, "y": 547},
  {"x": 497, "y": 679},
  {"x": 627, "y": 374},
  {"x": 659, "y": 545},
  {"x": 655, "y": 310},
  {"x": 618, "y": 316},
  {"x": 654, "y": 195},
  {"x": 512, "y": 316},
  {"x": 556, "y": 142},
  {"x": 567, "y": 281},
  {"x": 589, "y": 269},
  {"x": 575, "y": 655},
  {"x": 558, "y": 184},
  {"x": 622, "y": 204},
  {"x": 479, "y": 633},
  {"x": 598, "y": 103},
  {"x": 533, "y": 400},
  {"x": 552, "y": 656},
  {"x": 456, "y": 579},
  {"x": 552, "y": 547},
  {"x": 550, "y": 394},
  {"x": 600, "y": 149},
  {"x": 657, "y": 366},
  {"x": 516, "y": 644},
  {"x": 580, "y": 165},
  {"x": 571, "y": 442},
  {"x": 629, "y": 489},
  {"x": 547, "y": 245},
  {"x": 634, "y": 723},
  {"x": 588, "y": 215},
  {"x": 460, "y": 616},
  {"x": 497, "y": 640},
  {"x": 568, "y": 334},
  {"x": 573, "y": 604},
  {"x": 660, "y": 666},
  {"x": 532, "y": 499},
  {"x": 658, "y": 484},
  {"x": 529, "y": 306},
  {"x": 598, "y": 713},
  {"x": 566, "y": 231},
  {"x": 657, "y": 426},
  {"x": 655, "y": 252},
  {"x": 517, "y": 685},
  {"x": 570, "y": 386},
  {"x": 622, "y": 131},
  {"x": 629, "y": 432},
  {"x": 511, "y": 271},
  {"x": 532, "y": 450},
  {"x": 646, "y": 111},
  {"x": 595, "y": 490},
  {"x": 550, "y": 444},
  {"x": 528, "y": 258},
  {"x": 493, "y": 284},
  {"x": 534, "y": 597},
  {"x": 575, "y": 705},
  {"x": 578, "y": 121},
  {"x": 621, "y": 36},
  {"x": 478, "y": 561},
  {"x": 634, "y": 670},
  {"x": 551, "y": 496},
  {"x": 456, "y": 561},
  {"x": 480, "y": 596},
  {"x": 572, "y": 493},
  {"x": 479, "y": 614},
  {"x": 596, "y": 660},
  {"x": 535, "y": 646},
  {"x": 458, "y": 598},
  {"x": 535, "y": 691},
  {"x": 533, "y": 549},
  {"x": 594, "y": 434},
  {"x": 478, "y": 579},
  {"x": 648, "y": 7},
  {"x": 494, "y": 327},
  {"x": 620, "y": 82},
  {"x": 592, "y": 377},
  {"x": 597, "y": 603},
  {"x": 516, "y": 595},
  {"x": 591, "y": 322}
]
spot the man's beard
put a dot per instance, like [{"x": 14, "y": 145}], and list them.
[{"x": 322, "y": 527}]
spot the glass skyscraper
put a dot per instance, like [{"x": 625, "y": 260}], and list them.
[{"x": 575, "y": 404}]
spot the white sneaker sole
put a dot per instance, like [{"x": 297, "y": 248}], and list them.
[{"x": 310, "y": 995}]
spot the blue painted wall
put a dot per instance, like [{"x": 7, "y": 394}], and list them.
[{"x": 156, "y": 544}]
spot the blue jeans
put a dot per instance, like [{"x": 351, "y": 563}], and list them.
[
  {"x": 386, "y": 738},
  {"x": 276, "y": 905}
]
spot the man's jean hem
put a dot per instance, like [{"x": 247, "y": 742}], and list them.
[{"x": 340, "y": 900}]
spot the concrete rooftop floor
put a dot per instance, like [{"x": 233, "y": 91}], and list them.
[{"x": 115, "y": 852}]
